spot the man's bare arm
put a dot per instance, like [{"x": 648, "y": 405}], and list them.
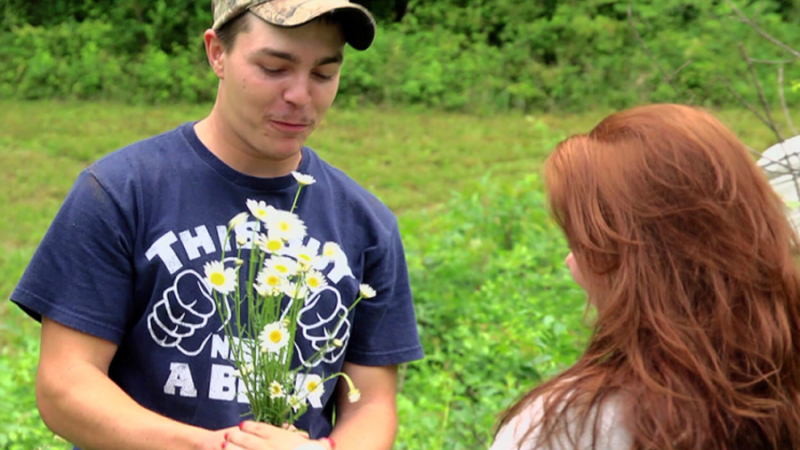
[
  {"x": 79, "y": 402},
  {"x": 372, "y": 421}
]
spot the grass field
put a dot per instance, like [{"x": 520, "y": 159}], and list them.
[{"x": 414, "y": 161}]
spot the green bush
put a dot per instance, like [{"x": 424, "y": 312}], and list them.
[
  {"x": 497, "y": 312},
  {"x": 467, "y": 55},
  {"x": 21, "y": 428}
]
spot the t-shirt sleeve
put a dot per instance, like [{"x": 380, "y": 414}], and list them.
[
  {"x": 81, "y": 274},
  {"x": 385, "y": 326}
]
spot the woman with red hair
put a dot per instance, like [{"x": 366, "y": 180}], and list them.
[{"x": 684, "y": 250}]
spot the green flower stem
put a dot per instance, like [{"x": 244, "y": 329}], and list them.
[{"x": 296, "y": 196}]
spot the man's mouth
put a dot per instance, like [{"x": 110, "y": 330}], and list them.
[{"x": 292, "y": 127}]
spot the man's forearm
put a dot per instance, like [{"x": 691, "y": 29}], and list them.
[
  {"x": 372, "y": 426},
  {"x": 86, "y": 408}
]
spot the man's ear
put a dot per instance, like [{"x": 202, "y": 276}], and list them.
[{"x": 215, "y": 53}]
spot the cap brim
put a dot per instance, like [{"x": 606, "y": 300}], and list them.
[{"x": 358, "y": 24}]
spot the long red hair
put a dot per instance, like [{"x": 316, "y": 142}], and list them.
[{"x": 689, "y": 260}]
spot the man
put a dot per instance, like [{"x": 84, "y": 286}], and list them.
[{"x": 133, "y": 355}]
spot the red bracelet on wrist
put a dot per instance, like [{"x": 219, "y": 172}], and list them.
[{"x": 331, "y": 442}]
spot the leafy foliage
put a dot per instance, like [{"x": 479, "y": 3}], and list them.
[
  {"x": 21, "y": 428},
  {"x": 467, "y": 55},
  {"x": 497, "y": 312}
]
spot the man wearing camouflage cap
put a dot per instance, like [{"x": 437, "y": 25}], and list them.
[{"x": 133, "y": 356}]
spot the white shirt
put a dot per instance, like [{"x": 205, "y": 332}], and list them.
[{"x": 611, "y": 434}]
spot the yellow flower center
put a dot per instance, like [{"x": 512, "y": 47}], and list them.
[
  {"x": 274, "y": 245},
  {"x": 284, "y": 226},
  {"x": 275, "y": 336},
  {"x": 276, "y": 389},
  {"x": 313, "y": 282},
  {"x": 281, "y": 268},
  {"x": 311, "y": 386},
  {"x": 273, "y": 280},
  {"x": 217, "y": 278}
]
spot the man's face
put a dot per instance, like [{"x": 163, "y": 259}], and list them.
[{"x": 278, "y": 83}]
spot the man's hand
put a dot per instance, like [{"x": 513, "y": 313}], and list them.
[{"x": 260, "y": 436}]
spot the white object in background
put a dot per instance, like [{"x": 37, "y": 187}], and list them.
[{"x": 779, "y": 161}]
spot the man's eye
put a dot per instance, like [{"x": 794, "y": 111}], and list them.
[
  {"x": 323, "y": 76},
  {"x": 269, "y": 71}
]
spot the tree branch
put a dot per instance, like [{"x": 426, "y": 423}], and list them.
[
  {"x": 644, "y": 46},
  {"x": 760, "y": 31},
  {"x": 770, "y": 121},
  {"x": 779, "y": 162},
  {"x": 743, "y": 101},
  {"x": 772, "y": 61},
  {"x": 667, "y": 78},
  {"x": 679, "y": 69},
  {"x": 786, "y": 112}
]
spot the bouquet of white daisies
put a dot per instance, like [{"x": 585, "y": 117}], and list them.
[{"x": 259, "y": 301}]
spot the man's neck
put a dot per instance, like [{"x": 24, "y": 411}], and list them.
[{"x": 226, "y": 145}]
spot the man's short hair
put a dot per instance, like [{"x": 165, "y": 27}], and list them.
[{"x": 229, "y": 31}]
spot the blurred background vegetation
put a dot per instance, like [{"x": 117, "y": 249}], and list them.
[
  {"x": 466, "y": 55},
  {"x": 447, "y": 118}
]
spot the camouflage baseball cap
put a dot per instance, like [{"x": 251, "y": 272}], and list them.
[{"x": 357, "y": 22}]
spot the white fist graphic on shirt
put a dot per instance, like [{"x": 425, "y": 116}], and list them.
[
  {"x": 322, "y": 319},
  {"x": 179, "y": 319}
]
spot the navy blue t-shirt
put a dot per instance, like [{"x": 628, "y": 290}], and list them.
[{"x": 123, "y": 260}]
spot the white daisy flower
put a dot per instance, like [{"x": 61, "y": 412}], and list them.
[
  {"x": 366, "y": 291},
  {"x": 273, "y": 337},
  {"x": 306, "y": 258},
  {"x": 285, "y": 225},
  {"x": 243, "y": 371},
  {"x": 354, "y": 395},
  {"x": 267, "y": 291},
  {"x": 221, "y": 279},
  {"x": 331, "y": 250},
  {"x": 304, "y": 179},
  {"x": 295, "y": 291},
  {"x": 238, "y": 219},
  {"x": 260, "y": 209},
  {"x": 271, "y": 278},
  {"x": 276, "y": 390},
  {"x": 286, "y": 266},
  {"x": 315, "y": 280},
  {"x": 269, "y": 243},
  {"x": 295, "y": 402},
  {"x": 311, "y": 387}
]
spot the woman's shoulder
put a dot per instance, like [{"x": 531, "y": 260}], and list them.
[{"x": 575, "y": 434}]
